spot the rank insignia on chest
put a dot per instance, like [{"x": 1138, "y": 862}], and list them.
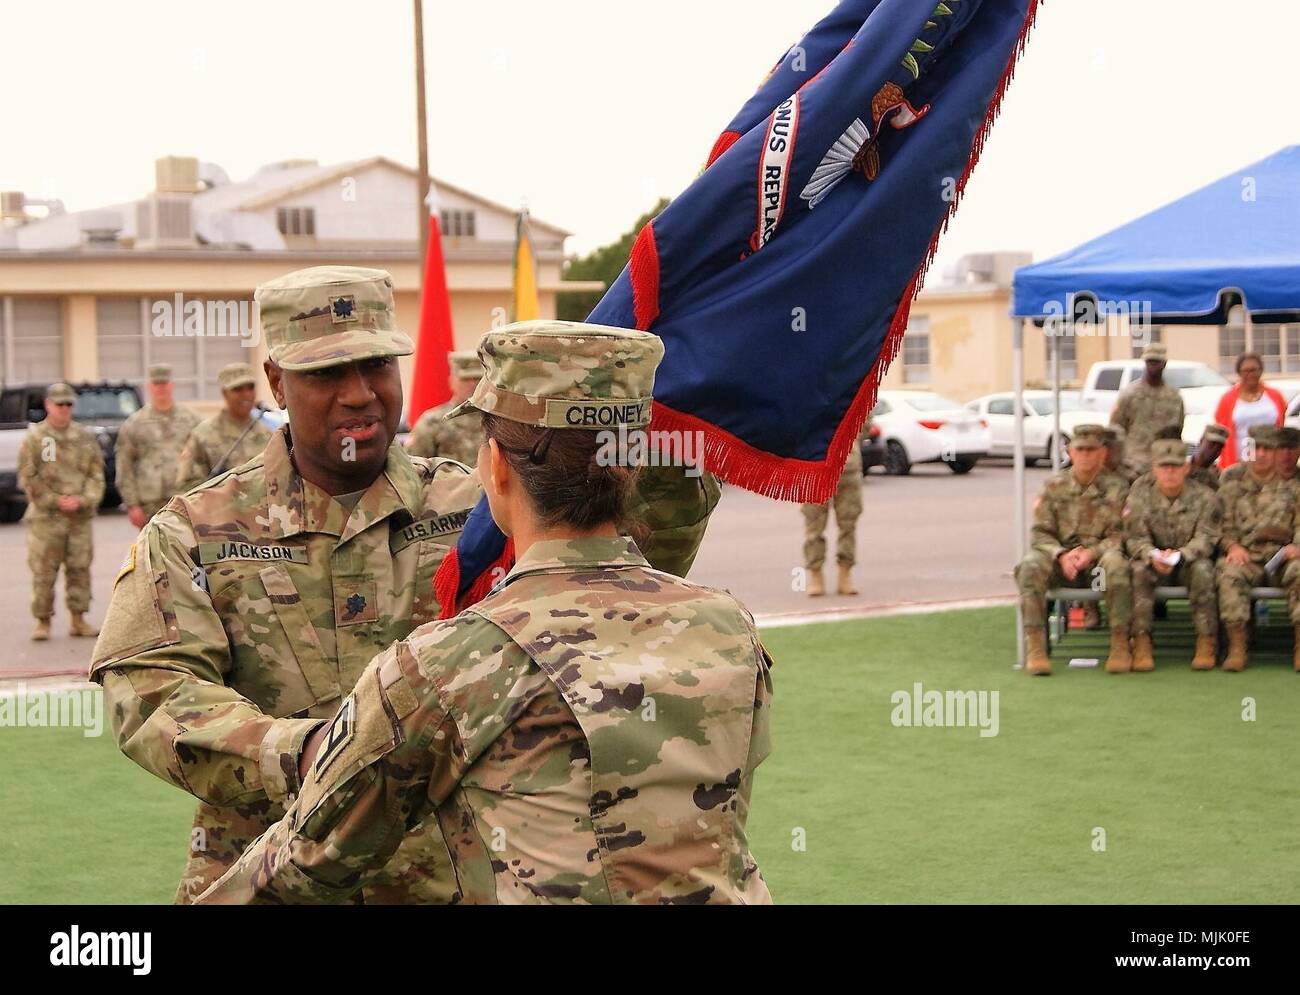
[{"x": 354, "y": 602}]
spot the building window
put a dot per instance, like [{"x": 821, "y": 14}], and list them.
[
  {"x": 1277, "y": 345},
  {"x": 1267, "y": 341},
  {"x": 457, "y": 224},
  {"x": 1066, "y": 343},
  {"x": 31, "y": 329},
  {"x": 916, "y": 351},
  {"x": 296, "y": 220},
  {"x": 129, "y": 345}
]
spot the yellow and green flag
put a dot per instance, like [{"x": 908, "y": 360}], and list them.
[{"x": 525, "y": 305}]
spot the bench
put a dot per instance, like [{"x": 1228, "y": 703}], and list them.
[{"x": 1060, "y": 595}]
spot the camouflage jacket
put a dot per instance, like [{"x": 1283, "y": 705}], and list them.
[
  {"x": 588, "y": 733},
  {"x": 209, "y": 444},
  {"x": 148, "y": 447},
  {"x": 1142, "y": 410},
  {"x": 52, "y": 464},
  {"x": 248, "y": 607},
  {"x": 1207, "y": 475},
  {"x": 1262, "y": 516},
  {"x": 1190, "y": 522},
  {"x": 1068, "y": 514},
  {"x": 434, "y": 436}
]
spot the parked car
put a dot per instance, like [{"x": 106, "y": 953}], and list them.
[
  {"x": 102, "y": 407},
  {"x": 999, "y": 411},
  {"x": 1200, "y": 387},
  {"x": 924, "y": 427}
]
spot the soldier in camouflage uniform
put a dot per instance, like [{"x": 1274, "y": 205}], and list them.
[
  {"x": 1147, "y": 406},
  {"x": 1116, "y": 437},
  {"x": 61, "y": 470},
  {"x": 586, "y": 734},
  {"x": 1178, "y": 516},
  {"x": 1287, "y": 451},
  {"x": 847, "y": 502},
  {"x": 1205, "y": 461},
  {"x": 1077, "y": 541},
  {"x": 433, "y": 434},
  {"x": 149, "y": 445},
  {"x": 1253, "y": 452},
  {"x": 230, "y": 437},
  {"x": 1261, "y": 516},
  {"x": 248, "y": 608}
]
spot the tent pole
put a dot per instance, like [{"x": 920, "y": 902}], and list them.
[
  {"x": 1018, "y": 464},
  {"x": 1056, "y": 402}
]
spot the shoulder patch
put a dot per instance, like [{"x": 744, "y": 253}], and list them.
[
  {"x": 127, "y": 565},
  {"x": 341, "y": 731}
]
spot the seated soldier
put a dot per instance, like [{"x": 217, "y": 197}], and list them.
[
  {"x": 1115, "y": 436},
  {"x": 1260, "y": 520},
  {"x": 1171, "y": 531},
  {"x": 1251, "y": 453},
  {"x": 1287, "y": 451},
  {"x": 1205, "y": 461},
  {"x": 1077, "y": 541}
]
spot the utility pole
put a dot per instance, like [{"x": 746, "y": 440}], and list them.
[{"x": 422, "y": 139}]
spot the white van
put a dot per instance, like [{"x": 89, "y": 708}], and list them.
[{"x": 1200, "y": 386}]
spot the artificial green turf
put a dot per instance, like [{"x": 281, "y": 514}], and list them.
[{"x": 1197, "y": 804}]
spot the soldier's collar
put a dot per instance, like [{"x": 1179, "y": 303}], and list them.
[{"x": 577, "y": 554}]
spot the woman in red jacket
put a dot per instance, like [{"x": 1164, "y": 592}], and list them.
[{"x": 1249, "y": 402}]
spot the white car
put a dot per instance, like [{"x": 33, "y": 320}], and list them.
[
  {"x": 1200, "y": 388},
  {"x": 999, "y": 411},
  {"x": 924, "y": 427}
]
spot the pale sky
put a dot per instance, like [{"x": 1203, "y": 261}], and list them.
[{"x": 587, "y": 110}]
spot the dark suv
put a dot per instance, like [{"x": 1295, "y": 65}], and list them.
[{"x": 102, "y": 407}]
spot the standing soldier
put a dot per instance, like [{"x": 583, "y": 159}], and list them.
[
  {"x": 1260, "y": 521},
  {"x": 1205, "y": 461},
  {"x": 433, "y": 435},
  {"x": 570, "y": 749},
  {"x": 1077, "y": 541},
  {"x": 61, "y": 469},
  {"x": 149, "y": 445},
  {"x": 230, "y": 437},
  {"x": 847, "y": 502},
  {"x": 247, "y": 609},
  {"x": 1147, "y": 406},
  {"x": 1171, "y": 533}
]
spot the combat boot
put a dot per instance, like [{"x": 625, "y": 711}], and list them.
[
  {"x": 1206, "y": 650},
  {"x": 1143, "y": 658},
  {"x": 1120, "y": 660},
  {"x": 1091, "y": 615},
  {"x": 1236, "y": 658},
  {"x": 845, "y": 585},
  {"x": 79, "y": 627},
  {"x": 816, "y": 585},
  {"x": 42, "y": 630},
  {"x": 1036, "y": 661}
]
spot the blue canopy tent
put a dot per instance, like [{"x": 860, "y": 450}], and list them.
[{"x": 1236, "y": 241}]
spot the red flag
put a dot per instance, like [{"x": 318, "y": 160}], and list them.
[{"x": 431, "y": 382}]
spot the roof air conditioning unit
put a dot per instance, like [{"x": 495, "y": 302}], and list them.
[
  {"x": 164, "y": 221},
  {"x": 176, "y": 174}
]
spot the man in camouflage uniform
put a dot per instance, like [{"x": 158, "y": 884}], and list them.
[
  {"x": 1261, "y": 518},
  {"x": 248, "y": 608},
  {"x": 1115, "y": 463},
  {"x": 1287, "y": 451},
  {"x": 587, "y": 734},
  {"x": 1253, "y": 452},
  {"x": 1147, "y": 406},
  {"x": 1077, "y": 541},
  {"x": 433, "y": 434},
  {"x": 230, "y": 437},
  {"x": 149, "y": 445},
  {"x": 1174, "y": 518},
  {"x": 61, "y": 470},
  {"x": 847, "y": 502},
  {"x": 1205, "y": 461}
]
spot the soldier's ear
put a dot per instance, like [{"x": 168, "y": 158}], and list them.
[{"x": 275, "y": 380}]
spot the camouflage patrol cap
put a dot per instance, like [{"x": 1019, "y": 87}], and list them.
[
  {"x": 1155, "y": 351},
  {"x": 1168, "y": 452},
  {"x": 1216, "y": 433},
  {"x": 465, "y": 365},
  {"x": 160, "y": 373},
  {"x": 1088, "y": 437},
  {"x": 1266, "y": 436},
  {"x": 566, "y": 374},
  {"x": 330, "y": 315},
  {"x": 1114, "y": 435},
  {"x": 60, "y": 393},
  {"x": 1288, "y": 437},
  {"x": 235, "y": 375}
]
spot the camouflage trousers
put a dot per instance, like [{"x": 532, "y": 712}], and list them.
[
  {"x": 1235, "y": 583},
  {"x": 1038, "y": 572},
  {"x": 55, "y": 541},
  {"x": 847, "y": 503},
  {"x": 1197, "y": 577}
]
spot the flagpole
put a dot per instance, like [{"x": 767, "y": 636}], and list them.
[{"x": 422, "y": 139}]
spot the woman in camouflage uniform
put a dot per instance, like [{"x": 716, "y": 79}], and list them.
[{"x": 589, "y": 731}]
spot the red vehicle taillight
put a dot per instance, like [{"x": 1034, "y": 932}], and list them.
[
  {"x": 874, "y": 431},
  {"x": 932, "y": 423}
]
